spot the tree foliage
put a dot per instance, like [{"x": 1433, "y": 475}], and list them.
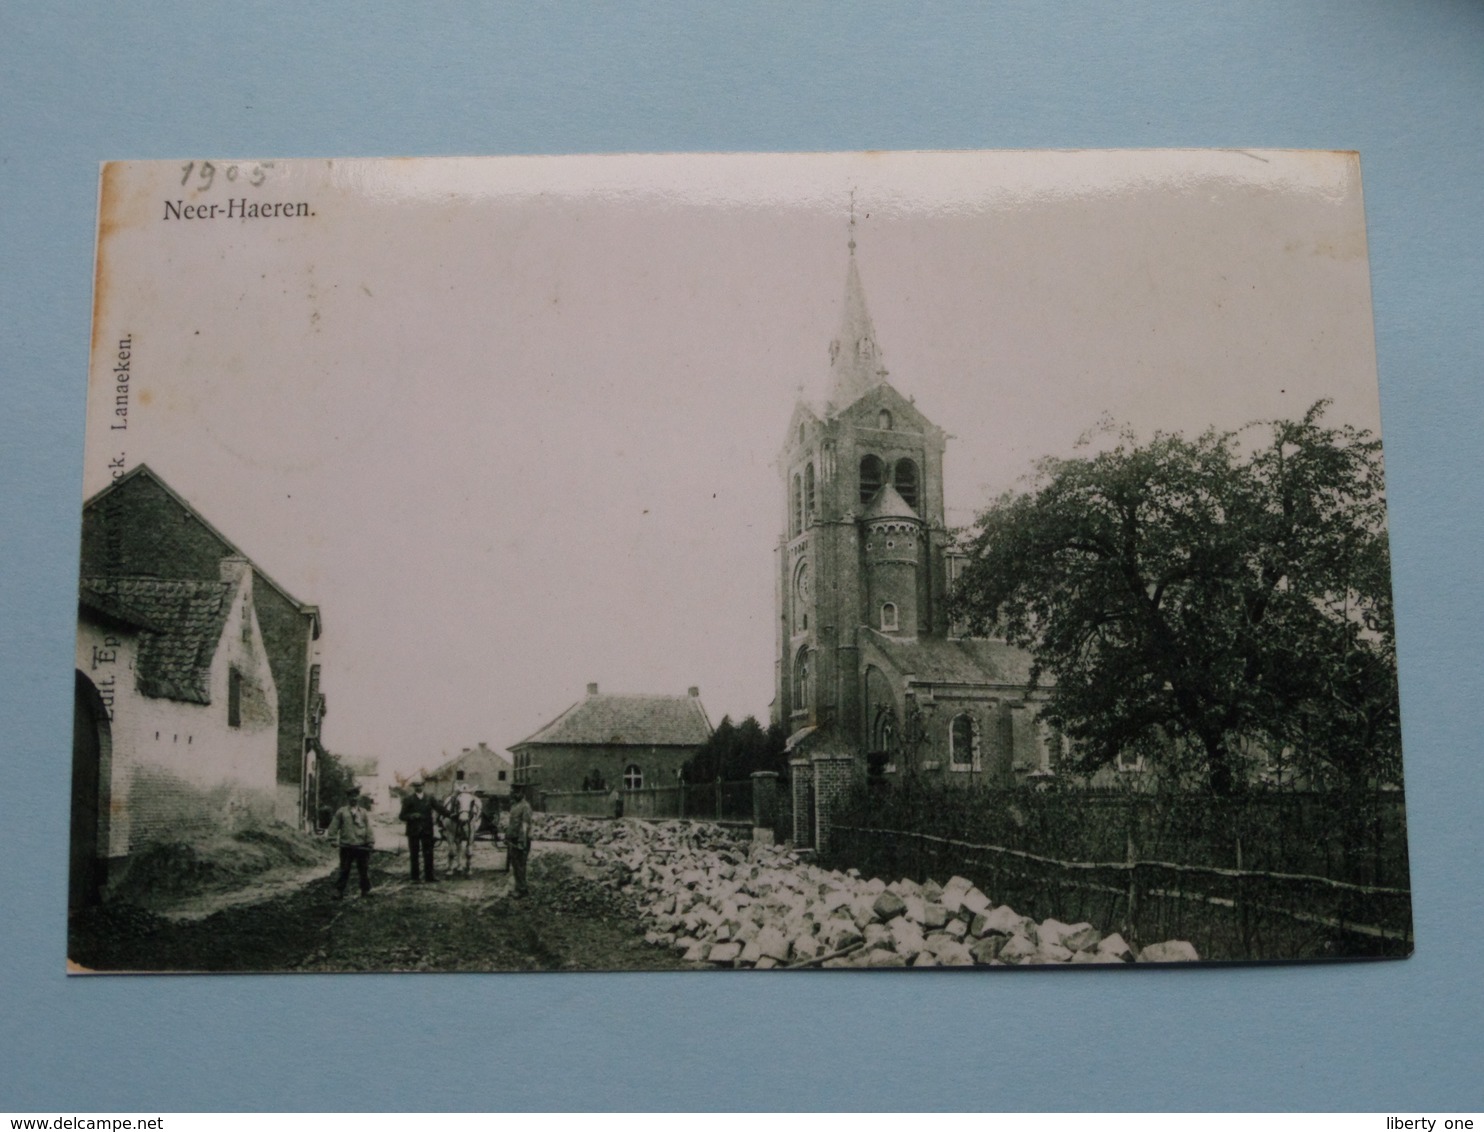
[
  {"x": 735, "y": 751},
  {"x": 1197, "y": 597}
]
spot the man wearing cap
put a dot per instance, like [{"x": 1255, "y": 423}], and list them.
[
  {"x": 418, "y": 810},
  {"x": 350, "y": 828}
]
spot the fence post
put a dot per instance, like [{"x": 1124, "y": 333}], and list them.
[
  {"x": 831, "y": 780},
  {"x": 1131, "y": 931},
  {"x": 764, "y": 804}
]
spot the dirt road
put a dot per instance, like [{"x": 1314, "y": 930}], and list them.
[{"x": 573, "y": 920}]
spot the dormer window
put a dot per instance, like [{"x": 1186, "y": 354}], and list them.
[
  {"x": 889, "y": 617},
  {"x": 883, "y": 420}
]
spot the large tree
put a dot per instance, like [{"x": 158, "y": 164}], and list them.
[
  {"x": 1193, "y": 597},
  {"x": 734, "y": 751}
]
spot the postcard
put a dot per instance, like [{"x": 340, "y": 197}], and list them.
[{"x": 734, "y": 562}]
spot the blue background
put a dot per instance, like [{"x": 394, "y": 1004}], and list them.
[{"x": 1401, "y": 82}]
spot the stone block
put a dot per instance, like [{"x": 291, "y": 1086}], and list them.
[
  {"x": 931, "y": 893},
  {"x": 934, "y": 916},
  {"x": 906, "y": 937},
  {"x": 1082, "y": 937},
  {"x": 1052, "y": 931},
  {"x": 996, "y": 921},
  {"x": 913, "y": 908},
  {"x": 955, "y": 955},
  {"x": 975, "y": 901},
  {"x": 697, "y": 952},
  {"x": 724, "y": 954},
  {"x": 882, "y": 958},
  {"x": 1169, "y": 951},
  {"x": 888, "y": 905},
  {"x": 957, "y": 929},
  {"x": 987, "y": 949},
  {"x": 1018, "y": 949},
  {"x": 924, "y": 959},
  {"x": 1054, "y": 953},
  {"x": 766, "y": 963},
  {"x": 1115, "y": 947},
  {"x": 876, "y": 935},
  {"x": 773, "y": 944}
]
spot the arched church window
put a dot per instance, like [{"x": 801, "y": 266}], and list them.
[
  {"x": 801, "y": 679},
  {"x": 798, "y": 512},
  {"x": 873, "y": 475},
  {"x": 883, "y": 419},
  {"x": 889, "y": 617},
  {"x": 906, "y": 481},
  {"x": 633, "y": 777},
  {"x": 801, "y": 432},
  {"x": 963, "y": 743},
  {"x": 808, "y": 492},
  {"x": 801, "y": 597}
]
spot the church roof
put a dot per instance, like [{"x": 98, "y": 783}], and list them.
[
  {"x": 631, "y": 721},
  {"x": 945, "y": 660},
  {"x": 889, "y": 504},
  {"x": 187, "y": 618},
  {"x": 855, "y": 360}
]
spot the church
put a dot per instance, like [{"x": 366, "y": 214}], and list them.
[{"x": 870, "y": 671}]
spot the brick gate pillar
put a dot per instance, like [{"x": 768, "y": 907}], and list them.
[
  {"x": 764, "y": 804},
  {"x": 803, "y": 780},
  {"x": 832, "y": 775}
]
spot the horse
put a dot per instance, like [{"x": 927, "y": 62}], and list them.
[{"x": 459, "y": 823}]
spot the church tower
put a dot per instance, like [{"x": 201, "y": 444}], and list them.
[{"x": 863, "y": 542}]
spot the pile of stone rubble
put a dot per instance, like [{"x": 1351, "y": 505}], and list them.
[{"x": 718, "y": 901}]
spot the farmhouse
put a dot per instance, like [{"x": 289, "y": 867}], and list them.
[
  {"x": 176, "y": 716},
  {"x": 139, "y": 527}
]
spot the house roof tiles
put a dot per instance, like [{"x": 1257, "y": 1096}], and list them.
[
  {"x": 186, "y": 619},
  {"x": 639, "y": 721}
]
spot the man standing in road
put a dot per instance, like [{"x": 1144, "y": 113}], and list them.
[
  {"x": 418, "y": 810},
  {"x": 350, "y": 828},
  {"x": 518, "y": 840}
]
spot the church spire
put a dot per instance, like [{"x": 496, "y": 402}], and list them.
[{"x": 855, "y": 360}]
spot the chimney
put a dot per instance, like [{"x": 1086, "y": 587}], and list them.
[
  {"x": 592, "y": 689},
  {"x": 234, "y": 568},
  {"x": 693, "y": 692}
]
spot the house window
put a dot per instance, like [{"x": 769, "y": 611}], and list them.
[
  {"x": 905, "y": 481},
  {"x": 633, "y": 777},
  {"x": 502, "y": 776},
  {"x": 873, "y": 475},
  {"x": 808, "y": 492},
  {"x": 234, "y": 698},
  {"x": 798, "y": 513},
  {"x": 889, "y": 617},
  {"x": 883, "y": 420},
  {"x": 963, "y": 743}
]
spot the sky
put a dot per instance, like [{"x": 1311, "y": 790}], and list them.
[{"x": 511, "y": 423}]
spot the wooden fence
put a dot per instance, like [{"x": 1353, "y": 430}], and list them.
[{"x": 1228, "y": 913}]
